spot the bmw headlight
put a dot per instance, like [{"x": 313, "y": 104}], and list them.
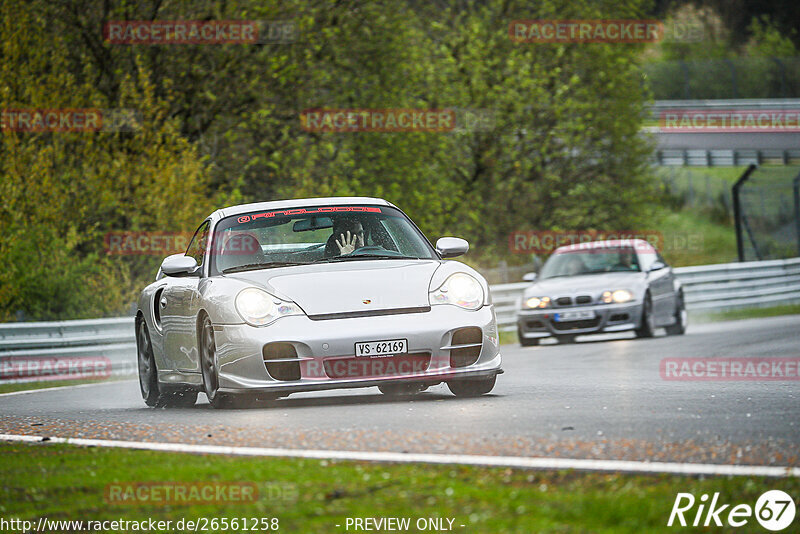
[
  {"x": 619, "y": 296},
  {"x": 460, "y": 289},
  {"x": 537, "y": 302},
  {"x": 259, "y": 308}
]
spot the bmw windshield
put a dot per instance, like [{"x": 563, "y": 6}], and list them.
[
  {"x": 591, "y": 261},
  {"x": 318, "y": 234}
]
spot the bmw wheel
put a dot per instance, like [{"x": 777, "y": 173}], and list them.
[
  {"x": 678, "y": 328},
  {"x": 527, "y": 342},
  {"x": 647, "y": 327}
]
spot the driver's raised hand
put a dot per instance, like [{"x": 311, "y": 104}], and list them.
[{"x": 349, "y": 243}]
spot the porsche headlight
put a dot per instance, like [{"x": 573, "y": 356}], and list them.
[
  {"x": 259, "y": 308},
  {"x": 537, "y": 302},
  {"x": 619, "y": 296},
  {"x": 461, "y": 290}
]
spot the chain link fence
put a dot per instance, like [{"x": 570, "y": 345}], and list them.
[{"x": 767, "y": 214}]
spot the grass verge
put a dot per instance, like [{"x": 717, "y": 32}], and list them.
[
  {"x": 749, "y": 313},
  {"x": 69, "y": 483}
]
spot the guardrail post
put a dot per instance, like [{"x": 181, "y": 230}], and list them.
[{"x": 737, "y": 209}]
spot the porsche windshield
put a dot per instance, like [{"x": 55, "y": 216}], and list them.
[
  {"x": 317, "y": 234},
  {"x": 591, "y": 261}
]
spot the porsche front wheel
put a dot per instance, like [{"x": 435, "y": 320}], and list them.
[
  {"x": 210, "y": 370},
  {"x": 472, "y": 388}
]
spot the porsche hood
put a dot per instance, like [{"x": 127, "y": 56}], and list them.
[{"x": 347, "y": 287}]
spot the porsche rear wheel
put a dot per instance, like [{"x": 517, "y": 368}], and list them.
[
  {"x": 210, "y": 371},
  {"x": 153, "y": 393},
  {"x": 472, "y": 388}
]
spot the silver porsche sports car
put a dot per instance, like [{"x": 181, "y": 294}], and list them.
[
  {"x": 602, "y": 286},
  {"x": 301, "y": 295}
]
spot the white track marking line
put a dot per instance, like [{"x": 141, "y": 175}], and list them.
[
  {"x": 57, "y": 388},
  {"x": 460, "y": 459}
]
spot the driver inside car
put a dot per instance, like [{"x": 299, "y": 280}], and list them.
[{"x": 347, "y": 236}]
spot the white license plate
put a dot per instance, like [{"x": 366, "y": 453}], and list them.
[
  {"x": 377, "y": 349},
  {"x": 574, "y": 316}
]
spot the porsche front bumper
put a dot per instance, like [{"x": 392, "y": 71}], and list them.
[{"x": 324, "y": 350}]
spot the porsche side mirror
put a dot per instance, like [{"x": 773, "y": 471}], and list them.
[
  {"x": 657, "y": 266},
  {"x": 450, "y": 247},
  {"x": 178, "y": 265},
  {"x": 529, "y": 277}
]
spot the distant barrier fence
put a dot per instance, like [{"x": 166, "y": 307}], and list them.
[{"x": 706, "y": 287}]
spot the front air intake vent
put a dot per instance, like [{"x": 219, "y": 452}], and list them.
[
  {"x": 464, "y": 356},
  {"x": 286, "y": 371}
]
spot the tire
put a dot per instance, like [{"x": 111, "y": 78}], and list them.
[
  {"x": 530, "y": 342},
  {"x": 403, "y": 389},
  {"x": 681, "y": 318},
  {"x": 565, "y": 340},
  {"x": 472, "y": 388},
  {"x": 152, "y": 392},
  {"x": 647, "y": 327},
  {"x": 210, "y": 371}
]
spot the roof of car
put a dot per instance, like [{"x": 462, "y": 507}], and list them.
[
  {"x": 298, "y": 203},
  {"x": 639, "y": 244}
]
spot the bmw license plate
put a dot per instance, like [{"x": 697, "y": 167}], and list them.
[
  {"x": 580, "y": 315},
  {"x": 378, "y": 349}
]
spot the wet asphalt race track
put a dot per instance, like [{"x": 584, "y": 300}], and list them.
[{"x": 593, "y": 399}]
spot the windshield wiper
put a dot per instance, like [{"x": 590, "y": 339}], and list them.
[
  {"x": 256, "y": 266},
  {"x": 366, "y": 257},
  {"x": 576, "y": 274}
]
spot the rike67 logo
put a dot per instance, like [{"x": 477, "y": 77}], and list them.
[{"x": 774, "y": 510}]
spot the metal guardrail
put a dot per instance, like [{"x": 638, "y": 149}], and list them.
[
  {"x": 706, "y": 287},
  {"x": 725, "y": 148},
  {"x": 111, "y": 341}
]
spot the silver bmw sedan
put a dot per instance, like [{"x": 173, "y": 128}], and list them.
[{"x": 602, "y": 286}]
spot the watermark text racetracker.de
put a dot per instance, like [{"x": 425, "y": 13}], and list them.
[
  {"x": 70, "y": 120},
  {"x": 199, "y": 32},
  {"x": 546, "y": 241},
  {"x": 23, "y": 368},
  {"x": 351, "y": 120},
  {"x": 729, "y": 120},
  {"x": 730, "y": 369},
  {"x": 604, "y": 31},
  {"x": 176, "y": 493}
]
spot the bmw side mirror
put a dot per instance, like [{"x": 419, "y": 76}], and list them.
[
  {"x": 178, "y": 265},
  {"x": 450, "y": 247},
  {"x": 529, "y": 277},
  {"x": 657, "y": 266}
]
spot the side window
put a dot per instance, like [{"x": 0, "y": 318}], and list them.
[{"x": 197, "y": 247}]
